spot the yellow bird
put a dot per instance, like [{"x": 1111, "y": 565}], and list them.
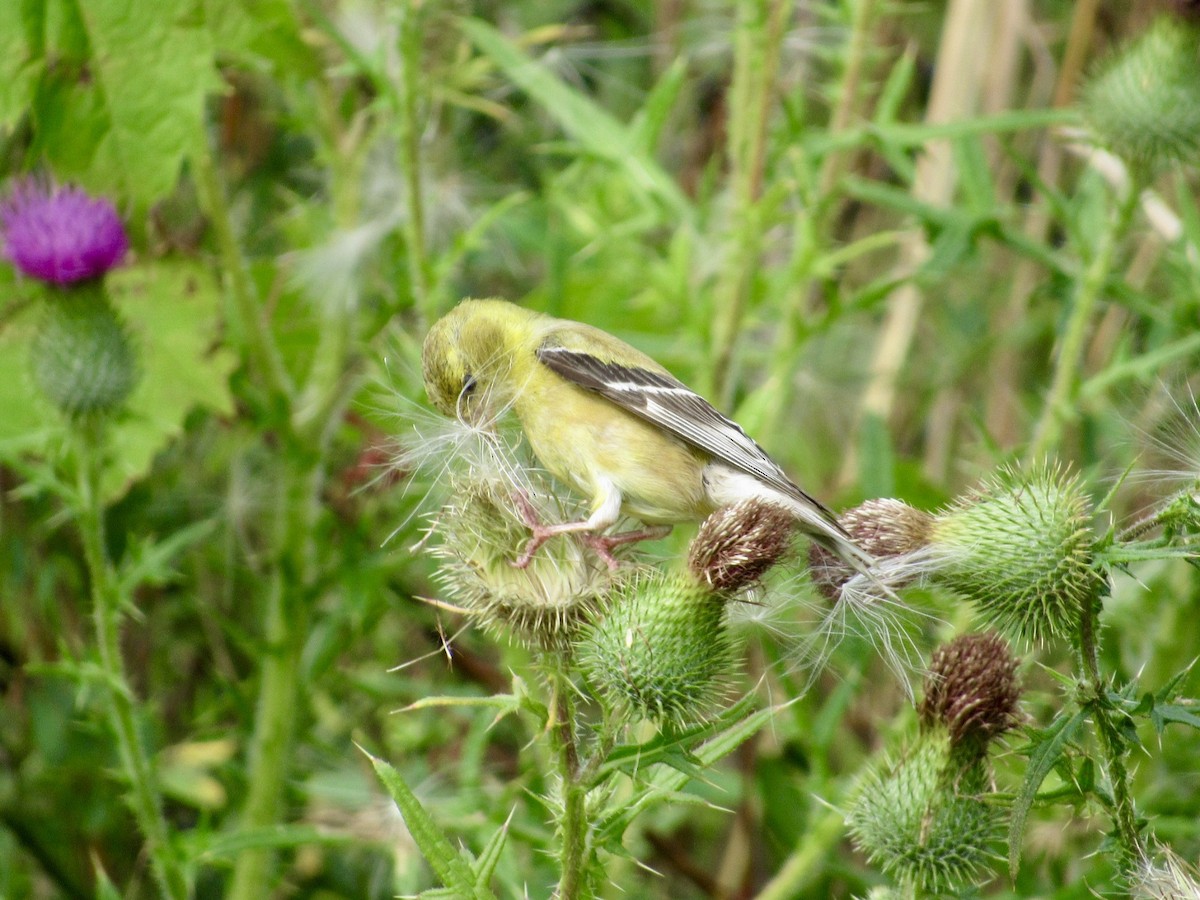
[{"x": 610, "y": 422}]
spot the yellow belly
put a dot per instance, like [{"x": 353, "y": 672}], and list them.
[{"x": 589, "y": 442}]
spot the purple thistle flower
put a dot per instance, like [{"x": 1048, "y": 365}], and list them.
[{"x": 60, "y": 234}]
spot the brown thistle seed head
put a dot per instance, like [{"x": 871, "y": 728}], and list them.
[
  {"x": 737, "y": 545},
  {"x": 883, "y": 527},
  {"x": 972, "y": 689}
]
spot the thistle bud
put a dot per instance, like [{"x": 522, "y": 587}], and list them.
[
  {"x": 923, "y": 818},
  {"x": 480, "y": 533},
  {"x": 972, "y": 691},
  {"x": 82, "y": 357},
  {"x": 1020, "y": 548},
  {"x": 884, "y": 528},
  {"x": 1145, "y": 104},
  {"x": 661, "y": 651},
  {"x": 83, "y": 360},
  {"x": 737, "y": 545}
]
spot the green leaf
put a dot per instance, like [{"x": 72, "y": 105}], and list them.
[
  {"x": 205, "y": 846},
  {"x": 1165, "y": 713},
  {"x": 673, "y": 747},
  {"x": 449, "y": 866},
  {"x": 1047, "y": 750},
  {"x": 20, "y": 60},
  {"x": 263, "y": 32},
  {"x": 105, "y": 889},
  {"x": 595, "y": 129},
  {"x": 1167, "y": 691},
  {"x": 149, "y": 561},
  {"x": 647, "y": 126},
  {"x": 485, "y": 864},
  {"x": 172, "y": 310},
  {"x": 121, "y": 118},
  {"x": 667, "y": 782}
]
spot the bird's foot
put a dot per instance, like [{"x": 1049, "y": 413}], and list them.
[
  {"x": 602, "y": 544},
  {"x": 539, "y": 533}
]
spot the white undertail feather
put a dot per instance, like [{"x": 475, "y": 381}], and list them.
[{"x": 726, "y": 486}]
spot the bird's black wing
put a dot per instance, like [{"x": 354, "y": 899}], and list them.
[{"x": 671, "y": 405}]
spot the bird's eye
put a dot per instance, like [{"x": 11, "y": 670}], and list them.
[{"x": 468, "y": 388}]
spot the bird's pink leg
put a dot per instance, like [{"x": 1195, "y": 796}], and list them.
[{"x": 602, "y": 545}]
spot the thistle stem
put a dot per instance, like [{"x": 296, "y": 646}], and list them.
[
  {"x": 1070, "y": 352},
  {"x": 410, "y": 156},
  {"x": 284, "y": 629},
  {"x": 573, "y": 826},
  {"x": 807, "y": 860},
  {"x": 107, "y": 601},
  {"x": 1112, "y": 745},
  {"x": 761, "y": 30},
  {"x": 250, "y": 324}
]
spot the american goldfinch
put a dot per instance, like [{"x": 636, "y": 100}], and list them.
[{"x": 610, "y": 422}]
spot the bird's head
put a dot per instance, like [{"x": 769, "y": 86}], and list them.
[{"x": 467, "y": 356}]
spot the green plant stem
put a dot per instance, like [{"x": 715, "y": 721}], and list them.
[
  {"x": 848, "y": 92},
  {"x": 1070, "y": 353},
  {"x": 285, "y": 627},
  {"x": 410, "y": 156},
  {"x": 761, "y": 28},
  {"x": 250, "y": 325},
  {"x": 107, "y": 603},
  {"x": 1112, "y": 744},
  {"x": 573, "y": 827},
  {"x": 807, "y": 860}
]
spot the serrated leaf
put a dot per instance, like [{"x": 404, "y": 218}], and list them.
[
  {"x": 485, "y": 864},
  {"x": 21, "y": 63},
  {"x": 1165, "y": 713},
  {"x": 667, "y": 782},
  {"x": 265, "y": 31},
  {"x": 1167, "y": 691},
  {"x": 150, "y": 562},
  {"x": 454, "y": 871},
  {"x": 173, "y": 312},
  {"x": 672, "y": 747},
  {"x": 1047, "y": 751},
  {"x": 122, "y": 118}
]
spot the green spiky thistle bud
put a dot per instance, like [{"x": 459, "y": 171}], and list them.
[
  {"x": 480, "y": 533},
  {"x": 883, "y": 527},
  {"x": 1020, "y": 548},
  {"x": 662, "y": 651},
  {"x": 1145, "y": 104},
  {"x": 83, "y": 360},
  {"x": 922, "y": 817},
  {"x": 972, "y": 692}
]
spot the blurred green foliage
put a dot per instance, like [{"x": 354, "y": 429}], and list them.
[{"x": 744, "y": 191}]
